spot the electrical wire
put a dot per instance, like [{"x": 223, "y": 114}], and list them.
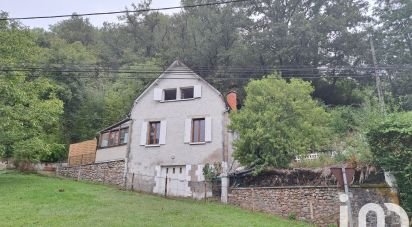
[
  {"x": 125, "y": 11},
  {"x": 279, "y": 67},
  {"x": 229, "y": 73}
]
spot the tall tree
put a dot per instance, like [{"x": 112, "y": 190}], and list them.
[
  {"x": 68, "y": 62},
  {"x": 75, "y": 29},
  {"x": 296, "y": 34},
  {"x": 393, "y": 41},
  {"x": 278, "y": 121},
  {"x": 144, "y": 29},
  {"x": 29, "y": 107}
]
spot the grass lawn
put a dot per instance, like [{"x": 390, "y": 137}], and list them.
[{"x": 32, "y": 200}]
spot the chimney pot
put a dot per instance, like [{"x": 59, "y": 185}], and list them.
[{"x": 231, "y": 99}]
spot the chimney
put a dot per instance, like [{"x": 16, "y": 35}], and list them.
[{"x": 231, "y": 99}]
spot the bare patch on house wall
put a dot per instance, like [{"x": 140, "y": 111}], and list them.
[
  {"x": 215, "y": 156},
  {"x": 192, "y": 173}
]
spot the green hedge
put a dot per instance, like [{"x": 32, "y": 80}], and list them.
[{"x": 391, "y": 145}]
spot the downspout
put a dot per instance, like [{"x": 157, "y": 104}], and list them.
[
  {"x": 126, "y": 159},
  {"x": 231, "y": 99},
  {"x": 224, "y": 175}
]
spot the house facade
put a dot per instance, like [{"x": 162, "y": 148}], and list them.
[{"x": 177, "y": 126}]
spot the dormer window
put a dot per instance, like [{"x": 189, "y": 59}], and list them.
[
  {"x": 170, "y": 94},
  {"x": 187, "y": 93}
]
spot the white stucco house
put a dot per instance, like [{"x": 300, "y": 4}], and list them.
[{"x": 176, "y": 126}]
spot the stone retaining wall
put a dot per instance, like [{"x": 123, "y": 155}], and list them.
[
  {"x": 105, "y": 172},
  {"x": 316, "y": 204}
]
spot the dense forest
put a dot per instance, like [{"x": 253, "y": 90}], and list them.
[{"x": 63, "y": 85}]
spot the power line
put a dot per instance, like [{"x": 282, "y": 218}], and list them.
[
  {"x": 65, "y": 68},
  {"x": 275, "y": 67},
  {"x": 297, "y": 72},
  {"x": 125, "y": 11},
  {"x": 214, "y": 78},
  {"x": 219, "y": 74}
]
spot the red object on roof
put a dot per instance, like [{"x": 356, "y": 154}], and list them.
[{"x": 231, "y": 99}]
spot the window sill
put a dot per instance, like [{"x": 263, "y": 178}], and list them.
[
  {"x": 188, "y": 99},
  {"x": 120, "y": 145},
  {"x": 152, "y": 145},
  {"x": 178, "y": 100},
  {"x": 197, "y": 143}
]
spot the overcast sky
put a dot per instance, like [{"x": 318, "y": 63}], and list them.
[{"x": 25, "y": 8}]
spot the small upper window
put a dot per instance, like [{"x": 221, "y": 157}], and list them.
[
  {"x": 169, "y": 94},
  {"x": 187, "y": 92}
]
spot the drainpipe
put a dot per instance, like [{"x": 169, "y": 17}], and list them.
[
  {"x": 126, "y": 159},
  {"x": 345, "y": 183},
  {"x": 231, "y": 100},
  {"x": 224, "y": 175}
]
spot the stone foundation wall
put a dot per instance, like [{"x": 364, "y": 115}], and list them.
[
  {"x": 316, "y": 204},
  {"x": 105, "y": 172}
]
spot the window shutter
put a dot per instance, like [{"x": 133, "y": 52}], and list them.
[
  {"x": 157, "y": 95},
  {"x": 143, "y": 134},
  {"x": 208, "y": 129},
  {"x": 197, "y": 91},
  {"x": 162, "y": 139},
  {"x": 188, "y": 129}
]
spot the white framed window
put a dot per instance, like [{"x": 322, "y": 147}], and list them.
[
  {"x": 198, "y": 130},
  {"x": 153, "y": 133},
  {"x": 169, "y": 94},
  {"x": 174, "y": 94},
  {"x": 187, "y": 92}
]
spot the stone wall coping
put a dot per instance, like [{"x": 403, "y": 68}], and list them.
[
  {"x": 107, "y": 161},
  {"x": 370, "y": 186},
  {"x": 96, "y": 163},
  {"x": 284, "y": 187},
  {"x": 308, "y": 186}
]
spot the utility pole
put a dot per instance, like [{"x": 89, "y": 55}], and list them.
[
  {"x": 345, "y": 185},
  {"x": 377, "y": 78}
]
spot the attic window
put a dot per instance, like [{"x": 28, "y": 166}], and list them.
[
  {"x": 187, "y": 93},
  {"x": 170, "y": 94}
]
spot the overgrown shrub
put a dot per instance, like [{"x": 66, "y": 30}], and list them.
[
  {"x": 278, "y": 121},
  {"x": 212, "y": 171},
  {"x": 391, "y": 145},
  {"x": 350, "y": 125}
]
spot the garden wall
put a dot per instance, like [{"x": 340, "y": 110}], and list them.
[
  {"x": 316, "y": 204},
  {"x": 105, "y": 172}
]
